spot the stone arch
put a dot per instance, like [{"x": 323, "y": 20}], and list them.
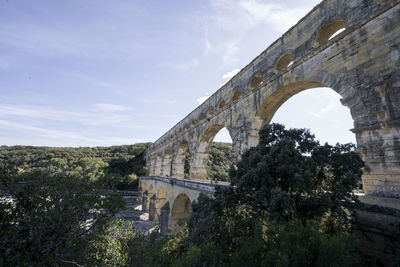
[
  {"x": 167, "y": 162},
  {"x": 255, "y": 81},
  {"x": 270, "y": 102},
  {"x": 236, "y": 94},
  {"x": 283, "y": 62},
  {"x": 180, "y": 212},
  {"x": 221, "y": 104},
  {"x": 161, "y": 199},
  {"x": 210, "y": 112},
  {"x": 201, "y": 117},
  {"x": 200, "y": 160},
  {"x": 179, "y": 162},
  {"x": 328, "y": 30},
  {"x": 158, "y": 165}
]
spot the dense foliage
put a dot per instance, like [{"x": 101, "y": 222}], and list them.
[
  {"x": 46, "y": 217},
  {"x": 220, "y": 160},
  {"x": 121, "y": 163},
  {"x": 290, "y": 204},
  {"x": 55, "y": 201}
]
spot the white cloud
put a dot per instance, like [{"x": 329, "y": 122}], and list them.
[
  {"x": 111, "y": 107},
  {"x": 207, "y": 43},
  {"x": 201, "y": 99},
  {"x": 232, "y": 22},
  {"x": 281, "y": 17},
  {"x": 230, "y": 74}
]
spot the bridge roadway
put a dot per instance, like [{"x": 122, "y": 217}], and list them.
[{"x": 169, "y": 200}]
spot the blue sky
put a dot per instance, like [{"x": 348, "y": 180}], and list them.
[{"x": 98, "y": 73}]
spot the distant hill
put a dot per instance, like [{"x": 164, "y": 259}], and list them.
[
  {"x": 123, "y": 164},
  {"x": 117, "y": 162}
]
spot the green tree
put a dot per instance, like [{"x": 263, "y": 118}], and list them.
[
  {"x": 47, "y": 218},
  {"x": 288, "y": 179},
  {"x": 220, "y": 160},
  {"x": 289, "y": 175}
]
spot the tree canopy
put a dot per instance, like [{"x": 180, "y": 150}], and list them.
[{"x": 289, "y": 187}]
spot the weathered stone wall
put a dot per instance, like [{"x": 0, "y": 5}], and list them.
[{"x": 361, "y": 64}]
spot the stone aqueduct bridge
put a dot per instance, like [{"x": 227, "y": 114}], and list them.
[{"x": 361, "y": 64}]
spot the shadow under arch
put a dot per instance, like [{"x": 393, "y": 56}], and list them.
[
  {"x": 199, "y": 170},
  {"x": 143, "y": 187},
  {"x": 180, "y": 212},
  {"x": 150, "y": 193},
  {"x": 161, "y": 199}
]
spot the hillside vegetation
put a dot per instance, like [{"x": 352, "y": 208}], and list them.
[{"x": 120, "y": 164}]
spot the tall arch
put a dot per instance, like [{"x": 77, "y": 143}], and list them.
[
  {"x": 167, "y": 163},
  {"x": 161, "y": 200},
  {"x": 199, "y": 168},
  {"x": 272, "y": 103},
  {"x": 158, "y": 165},
  {"x": 180, "y": 212},
  {"x": 299, "y": 81},
  {"x": 178, "y": 166}
]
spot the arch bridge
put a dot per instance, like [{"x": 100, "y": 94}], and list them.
[{"x": 361, "y": 64}]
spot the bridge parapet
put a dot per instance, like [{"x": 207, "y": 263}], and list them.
[{"x": 203, "y": 186}]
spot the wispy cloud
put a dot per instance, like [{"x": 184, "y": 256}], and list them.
[
  {"x": 91, "y": 79},
  {"x": 92, "y": 41},
  {"x": 232, "y": 20},
  {"x": 281, "y": 17},
  {"x": 43, "y": 132},
  {"x": 184, "y": 66},
  {"x": 107, "y": 117},
  {"x": 110, "y": 107},
  {"x": 322, "y": 113},
  {"x": 207, "y": 44},
  {"x": 158, "y": 101},
  {"x": 60, "y": 137}
]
